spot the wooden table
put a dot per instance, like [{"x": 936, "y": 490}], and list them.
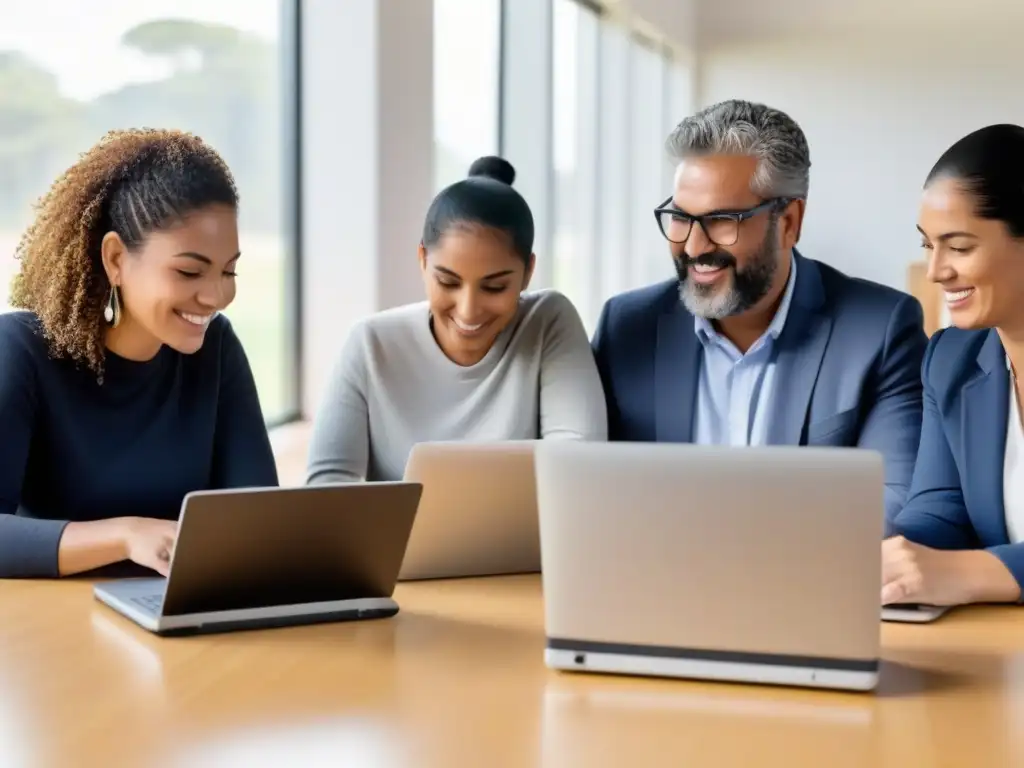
[{"x": 457, "y": 679}]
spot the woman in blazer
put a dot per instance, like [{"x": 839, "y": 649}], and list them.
[{"x": 960, "y": 537}]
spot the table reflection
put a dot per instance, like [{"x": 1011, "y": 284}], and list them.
[
  {"x": 328, "y": 742},
  {"x": 15, "y": 738},
  {"x": 135, "y": 651},
  {"x": 595, "y": 722}
]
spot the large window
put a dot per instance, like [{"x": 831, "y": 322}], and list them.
[
  {"x": 650, "y": 260},
  {"x": 614, "y": 193},
  {"x": 217, "y": 69},
  {"x": 575, "y": 124},
  {"x": 467, "y": 60}
]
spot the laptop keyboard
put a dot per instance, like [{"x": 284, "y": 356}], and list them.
[{"x": 151, "y": 603}]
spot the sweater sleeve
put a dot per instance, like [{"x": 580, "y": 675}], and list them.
[
  {"x": 28, "y": 546},
  {"x": 339, "y": 447},
  {"x": 242, "y": 455},
  {"x": 572, "y": 402}
]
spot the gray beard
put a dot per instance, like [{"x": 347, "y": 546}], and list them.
[{"x": 747, "y": 287}]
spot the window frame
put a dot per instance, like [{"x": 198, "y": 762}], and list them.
[{"x": 292, "y": 200}]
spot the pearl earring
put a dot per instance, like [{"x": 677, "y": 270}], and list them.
[{"x": 112, "y": 312}]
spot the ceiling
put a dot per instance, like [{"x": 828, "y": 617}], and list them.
[
  {"x": 721, "y": 20},
  {"x": 710, "y": 22}
]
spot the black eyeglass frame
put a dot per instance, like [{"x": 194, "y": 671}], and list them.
[{"x": 774, "y": 203}]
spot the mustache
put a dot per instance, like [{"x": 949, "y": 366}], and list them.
[
  {"x": 718, "y": 259},
  {"x": 714, "y": 259}
]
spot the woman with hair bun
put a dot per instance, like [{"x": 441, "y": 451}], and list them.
[
  {"x": 960, "y": 536},
  {"x": 122, "y": 387},
  {"x": 481, "y": 359}
]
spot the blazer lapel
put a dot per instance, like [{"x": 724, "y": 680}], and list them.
[
  {"x": 676, "y": 373},
  {"x": 801, "y": 348},
  {"x": 984, "y": 414}
]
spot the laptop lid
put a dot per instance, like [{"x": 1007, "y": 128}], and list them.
[
  {"x": 478, "y": 512},
  {"x": 749, "y": 551},
  {"x": 252, "y": 548}
]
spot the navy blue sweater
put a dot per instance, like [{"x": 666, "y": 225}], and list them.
[{"x": 72, "y": 449}]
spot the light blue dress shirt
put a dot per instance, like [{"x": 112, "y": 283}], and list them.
[{"x": 735, "y": 394}]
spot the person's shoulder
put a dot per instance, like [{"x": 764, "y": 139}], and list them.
[
  {"x": 860, "y": 292},
  {"x": 390, "y": 325},
  {"x": 22, "y": 335},
  {"x": 546, "y": 313},
  {"x": 952, "y": 354},
  {"x": 547, "y": 306},
  {"x": 638, "y": 305},
  {"x": 390, "y": 335},
  {"x": 648, "y": 299},
  {"x": 953, "y": 341}
]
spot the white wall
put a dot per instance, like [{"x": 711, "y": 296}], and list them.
[
  {"x": 719, "y": 20},
  {"x": 879, "y": 98}
]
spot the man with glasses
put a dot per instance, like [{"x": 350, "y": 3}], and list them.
[{"x": 753, "y": 343}]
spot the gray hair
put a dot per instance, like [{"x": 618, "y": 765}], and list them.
[{"x": 744, "y": 128}]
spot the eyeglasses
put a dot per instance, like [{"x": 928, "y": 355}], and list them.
[{"x": 721, "y": 227}]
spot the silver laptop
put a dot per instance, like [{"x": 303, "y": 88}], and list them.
[
  {"x": 744, "y": 564},
  {"x": 914, "y": 613},
  {"x": 266, "y": 557},
  {"x": 478, "y": 512}
]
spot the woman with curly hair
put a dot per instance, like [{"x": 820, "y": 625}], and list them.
[{"x": 122, "y": 388}]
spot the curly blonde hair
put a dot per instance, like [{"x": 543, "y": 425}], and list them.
[{"x": 131, "y": 182}]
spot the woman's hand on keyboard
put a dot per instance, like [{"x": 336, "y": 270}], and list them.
[{"x": 150, "y": 542}]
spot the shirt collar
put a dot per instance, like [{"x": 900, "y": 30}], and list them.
[{"x": 705, "y": 330}]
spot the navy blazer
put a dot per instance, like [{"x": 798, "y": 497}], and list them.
[
  {"x": 847, "y": 372},
  {"x": 956, "y": 498}
]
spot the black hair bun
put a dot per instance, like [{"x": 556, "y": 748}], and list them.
[{"x": 494, "y": 167}]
